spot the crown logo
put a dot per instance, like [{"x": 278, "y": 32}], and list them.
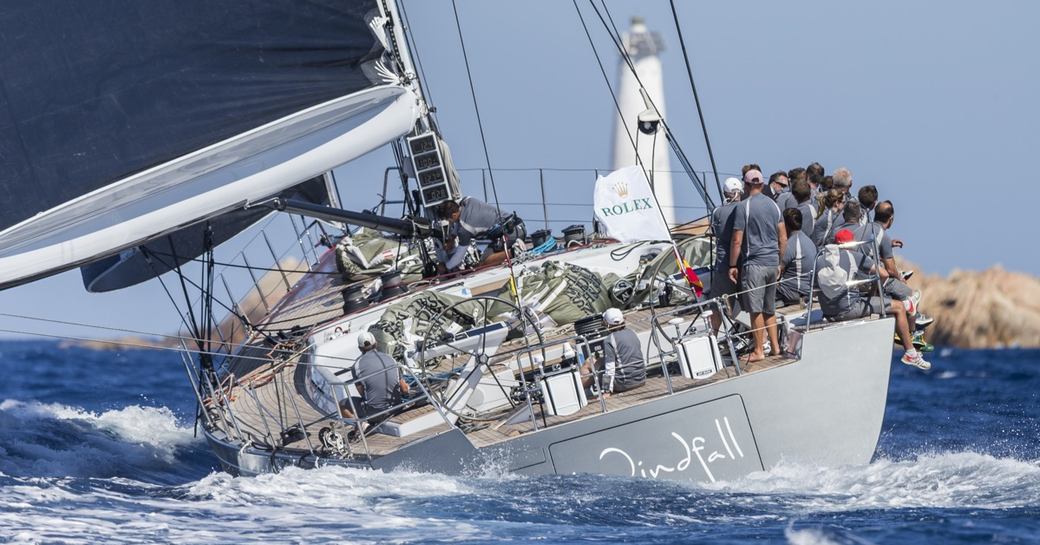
[{"x": 621, "y": 188}]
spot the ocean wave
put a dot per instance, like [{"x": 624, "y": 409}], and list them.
[
  {"x": 945, "y": 480},
  {"x": 50, "y": 439},
  {"x": 330, "y": 486},
  {"x": 320, "y": 505},
  {"x": 332, "y": 504}
]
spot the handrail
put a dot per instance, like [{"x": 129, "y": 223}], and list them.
[{"x": 360, "y": 420}]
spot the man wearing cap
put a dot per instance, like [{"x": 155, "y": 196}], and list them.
[
  {"x": 759, "y": 239},
  {"x": 379, "y": 383},
  {"x": 722, "y": 227},
  {"x": 622, "y": 365},
  {"x": 836, "y": 268}
]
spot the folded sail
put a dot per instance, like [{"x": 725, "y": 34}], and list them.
[
  {"x": 124, "y": 121},
  {"x": 163, "y": 254}
]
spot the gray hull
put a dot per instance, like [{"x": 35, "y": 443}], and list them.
[{"x": 825, "y": 409}]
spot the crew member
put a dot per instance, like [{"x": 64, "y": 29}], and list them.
[
  {"x": 470, "y": 218},
  {"x": 622, "y": 366},
  {"x": 836, "y": 269},
  {"x": 379, "y": 383},
  {"x": 722, "y": 228},
  {"x": 797, "y": 261},
  {"x": 759, "y": 238}
]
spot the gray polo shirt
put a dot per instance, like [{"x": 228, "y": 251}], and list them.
[
  {"x": 623, "y": 353},
  {"x": 808, "y": 217},
  {"x": 759, "y": 217},
  {"x": 722, "y": 227},
  {"x": 825, "y": 227},
  {"x": 381, "y": 379},
  {"x": 859, "y": 265},
  {"x": 786, "y": 200},
  {"x": 798, "y": 263},
  {"x": 875, "y": 233},
  {"x": 475, "y": 218}
]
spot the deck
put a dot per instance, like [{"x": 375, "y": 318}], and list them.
[
  {"x": 270, "y": 397},
  {"x": 266, "y": 389}
]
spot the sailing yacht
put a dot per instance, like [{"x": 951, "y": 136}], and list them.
[{"x": 222, "y": 115}]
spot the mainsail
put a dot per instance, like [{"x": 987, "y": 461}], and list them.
[{"x": 122, "y": 122}]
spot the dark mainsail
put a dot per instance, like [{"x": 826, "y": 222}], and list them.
[{"x": 122, "y": 121}]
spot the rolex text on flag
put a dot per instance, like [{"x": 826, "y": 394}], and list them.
[{"x": 626, "y": 208}]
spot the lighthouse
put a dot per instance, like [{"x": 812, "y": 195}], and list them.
[{"x": 642, "y": 47}]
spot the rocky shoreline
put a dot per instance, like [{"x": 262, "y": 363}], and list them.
[{"x": 993, "y": 308}]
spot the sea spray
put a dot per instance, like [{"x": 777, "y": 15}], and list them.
[{"x": 59, "y": 440}]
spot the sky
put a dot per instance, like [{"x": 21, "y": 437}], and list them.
[{"x": 934, "y": 103}]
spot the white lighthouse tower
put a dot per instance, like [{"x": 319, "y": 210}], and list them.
[{"x": 643, "y": 46}]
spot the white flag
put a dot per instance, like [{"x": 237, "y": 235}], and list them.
[{"x": 625, "y": 206}]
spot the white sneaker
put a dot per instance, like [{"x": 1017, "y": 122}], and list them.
[{"x": 913, "y": 357}]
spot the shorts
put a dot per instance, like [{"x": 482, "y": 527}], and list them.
[
  {"x": 897, "y": 290},
  {"x": 758, "y": 284},
  {"x": 720, "y": 283},
  {"x": 861, "y": 308},
  {"x": 366, "y": 411}
]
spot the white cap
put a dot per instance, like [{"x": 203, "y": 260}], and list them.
[
  {"x": 365, "y": 340},
  {"x": 568, "y": 351},
  {"x": 613, "y": 316},
  {"x": 732, "y": 184}
]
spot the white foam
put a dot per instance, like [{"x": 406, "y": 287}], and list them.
[
  {"x": 331, "y": 486},
  {"x": 43, "y": 439},
  {"x": 330, "y": 504},
  {"x": 155, "y": 426},
  {"x": 951, "y": 480},
  {"x": 808, "y": 536}
]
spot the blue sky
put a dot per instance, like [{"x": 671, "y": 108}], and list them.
[{"x": 935, "y": 103}]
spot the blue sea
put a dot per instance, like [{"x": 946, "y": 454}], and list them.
[{"x": 99, "y": 447}]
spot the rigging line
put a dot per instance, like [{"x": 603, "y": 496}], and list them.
[
  {"x": 696, "y": 98},
  {"x": 487, "y": 156},
  {"x": 124, "y": 330},
  {"x": 196, "y": 286},
  {"x": 187, "y": 300},
  {"x": 208, "y": 319},
  {"x": 173, "y": 349},
  {"x": 635, "y": 146},
  {"x": 476, "y": 108},
  {"x": 617, "y": 105},
  {"x": 606, "y": 79},
  {"x": 615, "y": 36},
  {"x": 173, "y": 301},
  {"x": 251, "y": 267}
]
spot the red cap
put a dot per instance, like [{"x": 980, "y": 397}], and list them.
[{"x": 843, "y": 236}]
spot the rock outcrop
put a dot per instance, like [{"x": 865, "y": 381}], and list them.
[{"x": 981, "y": 309}]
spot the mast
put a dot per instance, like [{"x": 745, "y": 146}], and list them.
[
  {"x": 643, "y": 46},
  {"x": 398, "y": 47}
]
